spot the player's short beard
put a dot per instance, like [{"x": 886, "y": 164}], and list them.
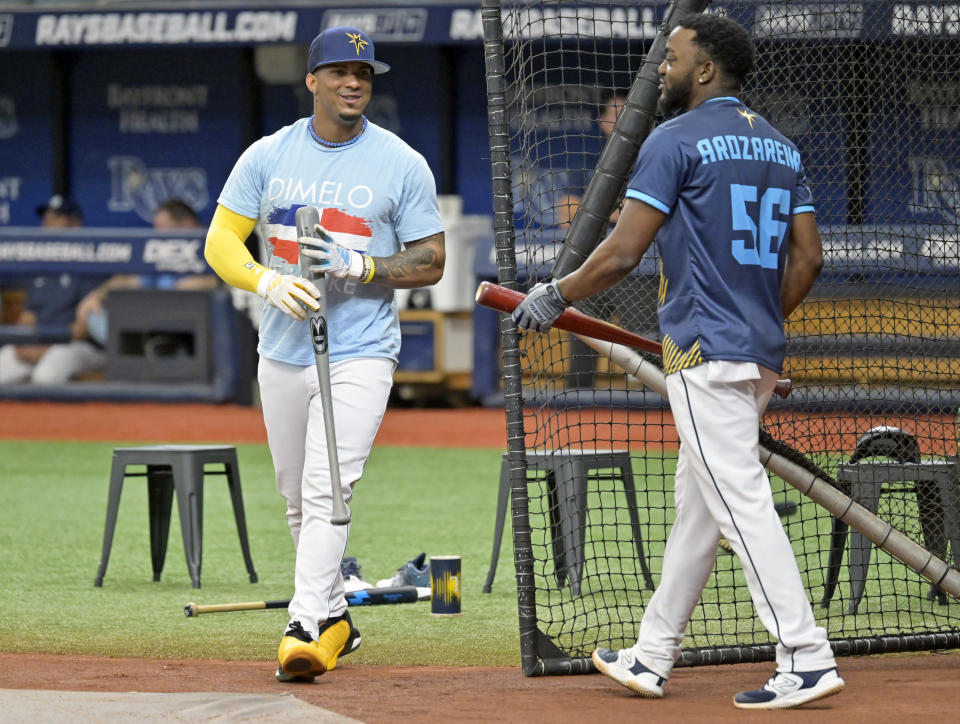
[{"x": 676, "y": 96}]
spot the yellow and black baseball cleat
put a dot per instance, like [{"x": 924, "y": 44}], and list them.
[
  {"x": 338, "y": 637},
  {"x": 299, "y": 657}
]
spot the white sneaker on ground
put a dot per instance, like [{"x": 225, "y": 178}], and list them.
[
  {"x": 787, "y": 690},
  {"x": 352, "y": 579},
  {"x": 623, "y": 667}
]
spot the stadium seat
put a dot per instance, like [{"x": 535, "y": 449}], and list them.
[
  {"x": 180, "y": 469},
  {"x": 567, "y": 472}
]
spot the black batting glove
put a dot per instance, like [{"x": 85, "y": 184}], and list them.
[{"x": 541, "y": 308}]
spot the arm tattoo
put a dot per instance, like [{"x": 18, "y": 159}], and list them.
[{"x": 413, "y": 263}]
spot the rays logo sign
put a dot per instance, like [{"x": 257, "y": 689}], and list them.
[{"x": 136, "y": 187}]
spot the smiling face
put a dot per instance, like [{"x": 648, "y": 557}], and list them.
[
  {"x": 677, "y": 71},
  {"x": 341, "y": 92}
]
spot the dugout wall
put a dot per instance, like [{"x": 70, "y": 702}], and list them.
[{"x": 869, "y": 93}]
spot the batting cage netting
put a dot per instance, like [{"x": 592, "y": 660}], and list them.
[{"x": 870, "y": 92}]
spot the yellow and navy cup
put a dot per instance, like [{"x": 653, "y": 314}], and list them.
[{"x": 445, "y": 585}]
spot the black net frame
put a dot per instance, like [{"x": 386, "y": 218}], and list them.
[{"x": 873, "y": 348}]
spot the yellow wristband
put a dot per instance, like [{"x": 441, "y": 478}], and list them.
[{"x": 368, "y": 269}]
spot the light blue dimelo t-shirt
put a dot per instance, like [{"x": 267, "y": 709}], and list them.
[{"x": 373, "y": 196}]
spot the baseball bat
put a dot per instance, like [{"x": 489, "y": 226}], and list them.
[
  {"x": 573, "y": 320},
  {"x": 307, "y": 218},
  {"x": 364, "y": 597},
  {"x": 837, "y": 503}
]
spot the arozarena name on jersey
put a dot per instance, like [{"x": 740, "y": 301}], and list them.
[
  {"x": 324, "y": 193},
  {"x": 747, "y": 148}
]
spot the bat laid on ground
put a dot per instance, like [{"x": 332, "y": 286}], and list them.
[
  {"x": 363, "y": 597},
  {"x": 307, "y": 218},
  {"x": 882, "y": 534},
  {"x": 506, "y": 300}
]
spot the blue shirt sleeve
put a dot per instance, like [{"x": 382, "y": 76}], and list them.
[
  {"x": 802, "y": 196},
  {"x": 658, "y": 174}
]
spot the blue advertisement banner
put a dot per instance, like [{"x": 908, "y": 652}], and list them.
[
  {"x": 141, "y": 137},
  {"x": 100, "y": 252},
  {"x": 884, "y": 249},
  {"x": 26, "y": 130},
  {"x": 450, "y": 22}
]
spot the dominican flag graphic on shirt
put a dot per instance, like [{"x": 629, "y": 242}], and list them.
[{"x": 353, "y": 232}]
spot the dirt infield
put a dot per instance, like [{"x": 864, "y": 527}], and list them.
[
  {"x": 470, "y": 427},
  {"x": 879, "y": 689},
  {"x": 884, "y": 689},
  {"x": 230, "y": 424}
]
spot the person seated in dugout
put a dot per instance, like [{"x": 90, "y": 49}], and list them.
[
  {"x": 52, "y": 301},
  {"x": 171, "y": 214}
]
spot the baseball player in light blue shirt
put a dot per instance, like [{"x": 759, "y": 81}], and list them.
[{"x": 381, "y": 231}]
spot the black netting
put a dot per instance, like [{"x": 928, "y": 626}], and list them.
[{"x": 870, "y": 92}]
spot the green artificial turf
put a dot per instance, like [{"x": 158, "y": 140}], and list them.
[{"x": 411, "y": 500}]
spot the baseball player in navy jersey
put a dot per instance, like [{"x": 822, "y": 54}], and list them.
[
  {"x": 378, "y": 209},
  {"x": 725, "y": 196}
]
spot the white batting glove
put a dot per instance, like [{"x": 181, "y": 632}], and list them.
[
  {"x": 334, "y": 259},
  {"x": 292, "y": 295}
]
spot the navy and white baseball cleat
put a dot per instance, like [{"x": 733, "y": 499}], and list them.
[
  {"x": 623, "y": 667},
  {"x": 415, "y": 572},
  {"x": 787, "y": 690}
]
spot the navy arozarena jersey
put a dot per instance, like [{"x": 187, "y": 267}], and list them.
[{"x": 730, "y": 183}]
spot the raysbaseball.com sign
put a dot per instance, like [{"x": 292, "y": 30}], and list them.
[{"x": 165, "y": 28}]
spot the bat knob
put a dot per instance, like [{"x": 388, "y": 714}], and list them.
[
  {"x": 190, "y": 610},
  {"x": 783, "y": 387}
]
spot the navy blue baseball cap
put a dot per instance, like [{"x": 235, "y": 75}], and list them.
[
  {"x": 343, "y": 44},
  {"x": 61, "y": 205}
]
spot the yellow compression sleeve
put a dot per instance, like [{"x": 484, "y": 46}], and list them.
[{"x": 225, "y": 251}]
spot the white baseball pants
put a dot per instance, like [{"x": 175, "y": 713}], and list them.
[
  {"x": 293, "y": 416},
  {"x": 721, "y": 489},
  {"x": 59, "y": 364}
]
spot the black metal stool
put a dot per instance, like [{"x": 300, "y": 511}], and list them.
[
  {"x": 177, "y": 468},
  {"x": 936, "y": 484},
  {"x": 567, "y": 472}
]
